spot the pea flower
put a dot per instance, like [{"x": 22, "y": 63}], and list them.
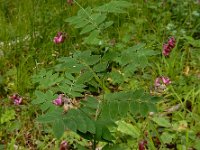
[
  {"x": 16, "y": 98},
  {"x": 167, "y": 48},
  {"x": 63, "y": 145},
  {"x": 59, "y": 38},
  {"x": 162, "y": 80},
  {"x": 59, "y": 100},
  {"x": 142, "y": 144}
]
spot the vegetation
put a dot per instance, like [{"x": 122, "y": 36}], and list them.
[{"x": 100, "y": 74}]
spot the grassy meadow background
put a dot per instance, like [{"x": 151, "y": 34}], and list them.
[{"x": 27, "y": 30}]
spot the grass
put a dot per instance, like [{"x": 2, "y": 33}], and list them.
[{"x": 27, "y": 28}]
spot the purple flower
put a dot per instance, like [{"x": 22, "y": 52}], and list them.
[
  {"x": 162, "y": 80},
  {"x": 59, "y": 38},
  {"x": 59, "y": 100},
  {"x": 172, "y": 42},
  {"x": 63, "y": 145},
  {"x": 142, "y": 144},
  {"x": 166, "y": 80},
  {"x": 157, "y": 81},
  {"x": 167, "y": 48},
  {"x": 17, "y": 100}
]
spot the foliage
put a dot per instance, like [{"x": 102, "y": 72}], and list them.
[
  {"x": 72, "y": 76},
  {"x": 104, "y": 69},
  {"x": 93, "y": 20}
]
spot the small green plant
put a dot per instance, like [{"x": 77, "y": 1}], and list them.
[{"x": 72, "y": 76}]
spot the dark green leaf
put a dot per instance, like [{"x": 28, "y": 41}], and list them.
[
  {"x": 106, "y": 134},
  {"x": 113, "y": 109},
  {"x": 58, "y": 128},
  {"x": 123, "y": 108},
  {"x": 88, "y": 28},
  {"x": 143, "y": 109},
  {"x": 102, "y": 66},
  {"x": 85, "y": 77},
  {"x": 134, "y": 106},
  {"x": 51, "y": 116},
  {"x": 70, "y": 124}
]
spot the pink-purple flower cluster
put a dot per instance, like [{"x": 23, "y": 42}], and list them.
[
  {"x": 59, "y": 100},
  {"x": 162, "y": 80},
  {"x": 16, "y": 98},
  {"x": 59, "y": 38},
  {"x": 167, "y": 48}
]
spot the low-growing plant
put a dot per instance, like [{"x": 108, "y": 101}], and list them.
[
  {"x": 90, "y": 75},
  {"x": 76, "y": 93}
]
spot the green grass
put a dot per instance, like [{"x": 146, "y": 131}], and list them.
[{"x": 27, "y": 29}]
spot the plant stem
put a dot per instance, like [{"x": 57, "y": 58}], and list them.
[
  {"x": 106, "y": 90},
  {"x": 94, "y": 143}
]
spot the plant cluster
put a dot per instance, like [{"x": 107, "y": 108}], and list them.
[{"x": 103, "y": 78}]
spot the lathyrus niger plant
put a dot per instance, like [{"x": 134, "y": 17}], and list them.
[{"x": 85, "y": 80}]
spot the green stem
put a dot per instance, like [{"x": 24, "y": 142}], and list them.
[
  {"x": 91, "y": 20},
  {"x": 106, "y": 90},
  {"x": 94, "y": 144}
]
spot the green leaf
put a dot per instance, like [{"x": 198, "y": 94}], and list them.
[
  {"x": 47, "y": 106},
  {"x": 69, "y": 76},
  {"x": 85, "y": 77},
  {"x": 143, "y": 109},
  {"x": 74, "y": 19},
  {"x": 99, "y": 131},
  {"x": 162, "y": 122},
  {"x": 81, "y": 23},
  {"x": 49, "y": 79},
  {"x": 58, "y": 128},
  {"x": 116, "y": 77},
  {"x": 152, "y": 107},
  {"x": 105, "y": 114},
  {"x": 90, "y": 102},
  {"x": 106, "y": 135},
  {"x": 50, "y": 116},
  {"x": 81, "y": 124},
  {"x": 137, "y": 94},
  {"x": 123, "y": 108},
  {"x": 106, "y": 24},
  {"x": 93, "y": 38},
  {"x": 90, "y": 125},
  {"x": 102, "y": 66},
  {"x": 98, "y": 18},
  {"x": 7, "y": 116},
  {"x": 88, "y": 28},
  {"x": 74, "y": 94},
  {"x": 85, "y": 12},
  {"x": 70, "y": 124},
  {"x": 167, "y": 137},
  {"x": 91, "y": 60},
  {"x": 113, "y": 107},
  {"x": 134, "y": 107},
  {"x": 128, "y": 129},
  {"x": 114, "y": 7},
  {"x": 110, "y": 56},
  {"x": 40, "y": 97}
]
